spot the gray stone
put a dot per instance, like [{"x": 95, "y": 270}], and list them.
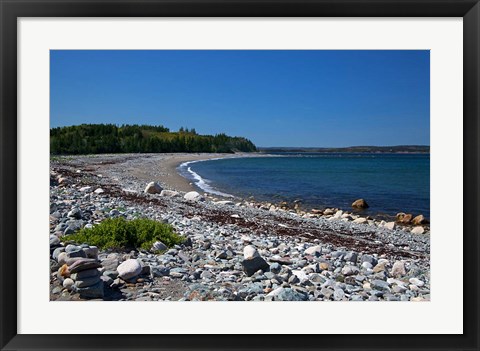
[
  {"x": 77, "y": 253},
  {"x": 287, "y": 294},
  {"x": 75, "y": 213},
  {"x": 370, "y": 259},
  {"x": 253, "y": 265},
  {"x": 93, "y": 291},
  {"x": 160, "y": 271},
  {"x": 57, "y": 252},
  {"x": 153, "y": 188},
  {"x": 351, "y": 257},
  {"x": 275, "y": 268},
  {"x": 83, "y": 264},
  {"x": 159, "y": 246},
  {"x": 89, "y": 273},
  {"x": 379, "y": 284},
  {"x": 72, "y": 248},
  {"x": 87, "y": 282},
  {"x": 54, "y": 241},
  {"x": 111, "y": 274},
  {"x": 91, "y": 252},
  {"x": 338, "y": 294}
]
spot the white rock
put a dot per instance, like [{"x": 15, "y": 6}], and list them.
[
  {"x": 250, "y": 252},
  {"x": 398, "y": 269},
  {"x": 68, "y": 284},
  {"x": 301, "y": 275},
  {"x": 99, "y": 191},
  {"x": 85, "y": 188},
  {"x": 328, "y": 212},
  {"x": 313, "y": 251},
  {"x": 389, "y": 225},
  {"x": 338, "y": 214},
  {"x": 349, "y": 270},
  {"x": 246, "y": 239},
  {"x": 360, "y": 220},
  {"x": 416, "y": 282},
  {"x": 418, "y": 230},
  {"x": 62, "y": 258},
  {"x": 129, "y": 269},
  {"x": 169, "y": 193},
  {"x": 153, "y": 188},
  {"x": 193, "y": 196}
]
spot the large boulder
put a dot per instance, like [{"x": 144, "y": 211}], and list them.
[
  {"x": 129, "y": 269},
  {"x": 419, "y": 220},
  {"x": 193, "y": 196},
  {"x": 153, "y": 188},
  {"x": 360, "y": 203},
  {"x": 254, "y": 264},
  {"x": 407, "y": 218}
]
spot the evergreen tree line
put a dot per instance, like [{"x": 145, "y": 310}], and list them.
[{"x": 109, "y": 138}]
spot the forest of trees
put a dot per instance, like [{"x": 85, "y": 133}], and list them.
[{"x": 109, "y": 138}]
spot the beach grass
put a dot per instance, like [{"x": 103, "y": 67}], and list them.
[{"x": 118, "y": 233}]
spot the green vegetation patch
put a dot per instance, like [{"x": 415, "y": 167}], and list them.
[
  {"x": 109, "y": 138},
  {"x": 118, "y": 233}
]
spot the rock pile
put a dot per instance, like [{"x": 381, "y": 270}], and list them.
[{"x": 80, "y": 271}]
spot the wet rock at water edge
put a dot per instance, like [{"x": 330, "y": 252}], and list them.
[{"x": 360, "y": 204}]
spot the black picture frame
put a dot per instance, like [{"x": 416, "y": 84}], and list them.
[{"x": 11, "y": 10}]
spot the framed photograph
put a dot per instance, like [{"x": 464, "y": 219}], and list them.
[{"x": 239, "y": 175}]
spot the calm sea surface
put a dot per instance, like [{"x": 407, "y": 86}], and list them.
[{"x": 390, "y": 183}]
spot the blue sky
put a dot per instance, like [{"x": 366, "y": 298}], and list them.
[{"x": 274, "y": 98}]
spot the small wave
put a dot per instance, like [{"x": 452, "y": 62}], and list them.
[{"x": 199, "y": 181}]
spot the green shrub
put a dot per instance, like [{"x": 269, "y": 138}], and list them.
[{"x": 118, "y": 233}]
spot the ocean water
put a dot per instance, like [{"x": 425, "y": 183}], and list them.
[{"x": 390, "y": 183}]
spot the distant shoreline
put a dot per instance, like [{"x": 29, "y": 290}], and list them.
[{"x": 400, "y": 149}]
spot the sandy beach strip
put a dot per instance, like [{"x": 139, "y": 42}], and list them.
[{"x": 161, "y": 168}]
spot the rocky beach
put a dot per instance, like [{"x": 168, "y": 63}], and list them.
[{"x": 234, "y": 249}]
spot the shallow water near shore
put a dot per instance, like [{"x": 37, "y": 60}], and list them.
[{"x": 390, "y": 183}]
